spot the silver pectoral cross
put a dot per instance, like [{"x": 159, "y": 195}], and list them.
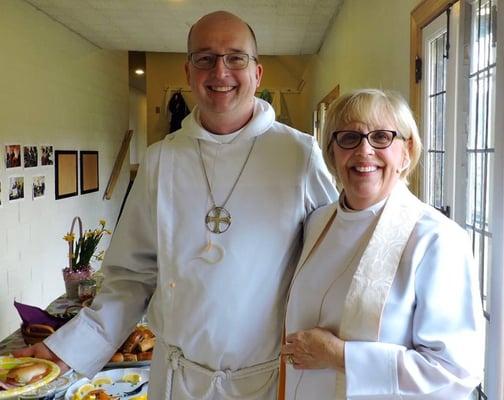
[{"x": 218, "y": 220}]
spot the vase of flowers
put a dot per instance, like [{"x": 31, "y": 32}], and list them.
[{"x": 80, "y": 253}]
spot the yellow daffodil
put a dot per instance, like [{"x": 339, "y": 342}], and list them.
[
  {"x": 69, "y": 237},
  {"x": 85, "y": 248}
]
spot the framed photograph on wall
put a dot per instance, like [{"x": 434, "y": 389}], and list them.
[
  {"x": 16, "y": 188},
  {"x": 46, "y": 154},
  {"x": 89, "y": 174},
  {"x": 65, "y": 173},
  {"x": 30, "y": 156},
  {"x": 12, "y": 155},
  {"x": 38, "y": 187}
]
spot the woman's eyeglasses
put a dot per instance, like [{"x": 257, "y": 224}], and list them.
[{"x": 379, "y": 139}]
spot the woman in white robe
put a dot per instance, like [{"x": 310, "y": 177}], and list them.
[{"x": 385, "y": 301}]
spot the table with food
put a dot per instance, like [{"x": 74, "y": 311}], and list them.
[{"x": 126, "y": 375}]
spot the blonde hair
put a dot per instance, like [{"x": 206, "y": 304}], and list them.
[{"x": 370, "y": 106}]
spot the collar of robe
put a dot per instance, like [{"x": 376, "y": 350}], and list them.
[
  {"x": 343, "y": 205},
  {"x": 261, "y": 121}
]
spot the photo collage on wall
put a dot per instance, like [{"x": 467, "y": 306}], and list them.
[
  {"x": 19, "y": 159},
  {"x": 26, "y": 176}
]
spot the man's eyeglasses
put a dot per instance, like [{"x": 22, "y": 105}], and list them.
[
  {"x": 203, "y": 60},
  {"x": 380, "y": 139}
]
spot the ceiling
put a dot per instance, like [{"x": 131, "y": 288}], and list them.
[{"x": 282, "y": 27}]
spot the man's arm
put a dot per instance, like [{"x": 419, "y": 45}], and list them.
[
  {"x": 88, "y": 341},
  {"x": 319, "y": 189}
]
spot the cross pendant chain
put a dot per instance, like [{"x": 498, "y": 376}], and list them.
[{"x": 218, "y": 218}]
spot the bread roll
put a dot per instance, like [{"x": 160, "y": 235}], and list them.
[
  {"x": 146, "y": 332},
  {"x": 132, "y": 341},
  {"x": 146, "y": 344},
  {"x": 146, "y": 355},
  {"x": 130, "y": 357},
  {"x": 117, "y": 357}
]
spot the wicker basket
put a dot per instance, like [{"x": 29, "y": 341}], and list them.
[{"x": 35, "y": 333}]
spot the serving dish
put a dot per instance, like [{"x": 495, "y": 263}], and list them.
[
  {"x": 8, "y": 363},
  {"x": 113, "y": 381}
]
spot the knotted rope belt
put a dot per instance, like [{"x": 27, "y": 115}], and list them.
[{"x": 179, "y": 363}]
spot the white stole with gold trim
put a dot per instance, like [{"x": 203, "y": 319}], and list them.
[{"x": 373, "y": 278}]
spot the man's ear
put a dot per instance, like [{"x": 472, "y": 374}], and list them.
[{"x": 258, "y": 74}]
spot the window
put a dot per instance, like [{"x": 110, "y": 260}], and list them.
[
  {"x": 481, "y": 134},
  {"x": 480, "y": 143},
  {"x": 438, "y": 110},
  {"x": 455, "y": 99}
]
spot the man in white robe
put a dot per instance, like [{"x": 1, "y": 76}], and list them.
[{"x": 214, "y": 282}]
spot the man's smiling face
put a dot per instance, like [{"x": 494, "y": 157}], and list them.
[{"x": 223, "y": 94}]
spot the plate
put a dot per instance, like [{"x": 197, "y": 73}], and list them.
[
  {"x": 7, "y": 363},
  {"x": 118, "y": 385},
  {"x": 63, "y": 382},
  {"x": 64, "y": 308}
]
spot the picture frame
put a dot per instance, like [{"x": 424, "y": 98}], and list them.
[
  {"x": 30, "y": 156},
  {"x": 89, "y": 172},
  {"x": 16, "y": 188},
  {"x": 46, "y": 155},
  {"x": 38, "y": 187},
  {"x": 65, "y": 173},
  {"x": 12, "y": 156}
]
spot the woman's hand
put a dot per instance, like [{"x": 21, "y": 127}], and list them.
[
  {"x": 315, "y": 348},
  {"x": 40, "y": 350}
]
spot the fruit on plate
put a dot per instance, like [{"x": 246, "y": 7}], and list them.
[
  {"x": 98, "y": 394},
  {"x": 104, "y": 380},
  {"x": 92, "y": 394},
  {"x": 132, "y": 378},
  {"x": 83, "y": 391}
]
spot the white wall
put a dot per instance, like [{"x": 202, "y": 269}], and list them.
[
  {"x": 56, "y": 88},
  {"x": 368, "y": 45}
]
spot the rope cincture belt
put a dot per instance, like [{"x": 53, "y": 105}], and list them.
[{"x": 178, "y": 363}]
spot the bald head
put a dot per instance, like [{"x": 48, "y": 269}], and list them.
[{"x": 224, "y": 21}]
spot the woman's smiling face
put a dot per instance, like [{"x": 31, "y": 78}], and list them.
[{"x": 369, "y": 175}]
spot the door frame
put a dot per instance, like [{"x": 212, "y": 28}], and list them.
[{"x": 421, "y": 16}]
